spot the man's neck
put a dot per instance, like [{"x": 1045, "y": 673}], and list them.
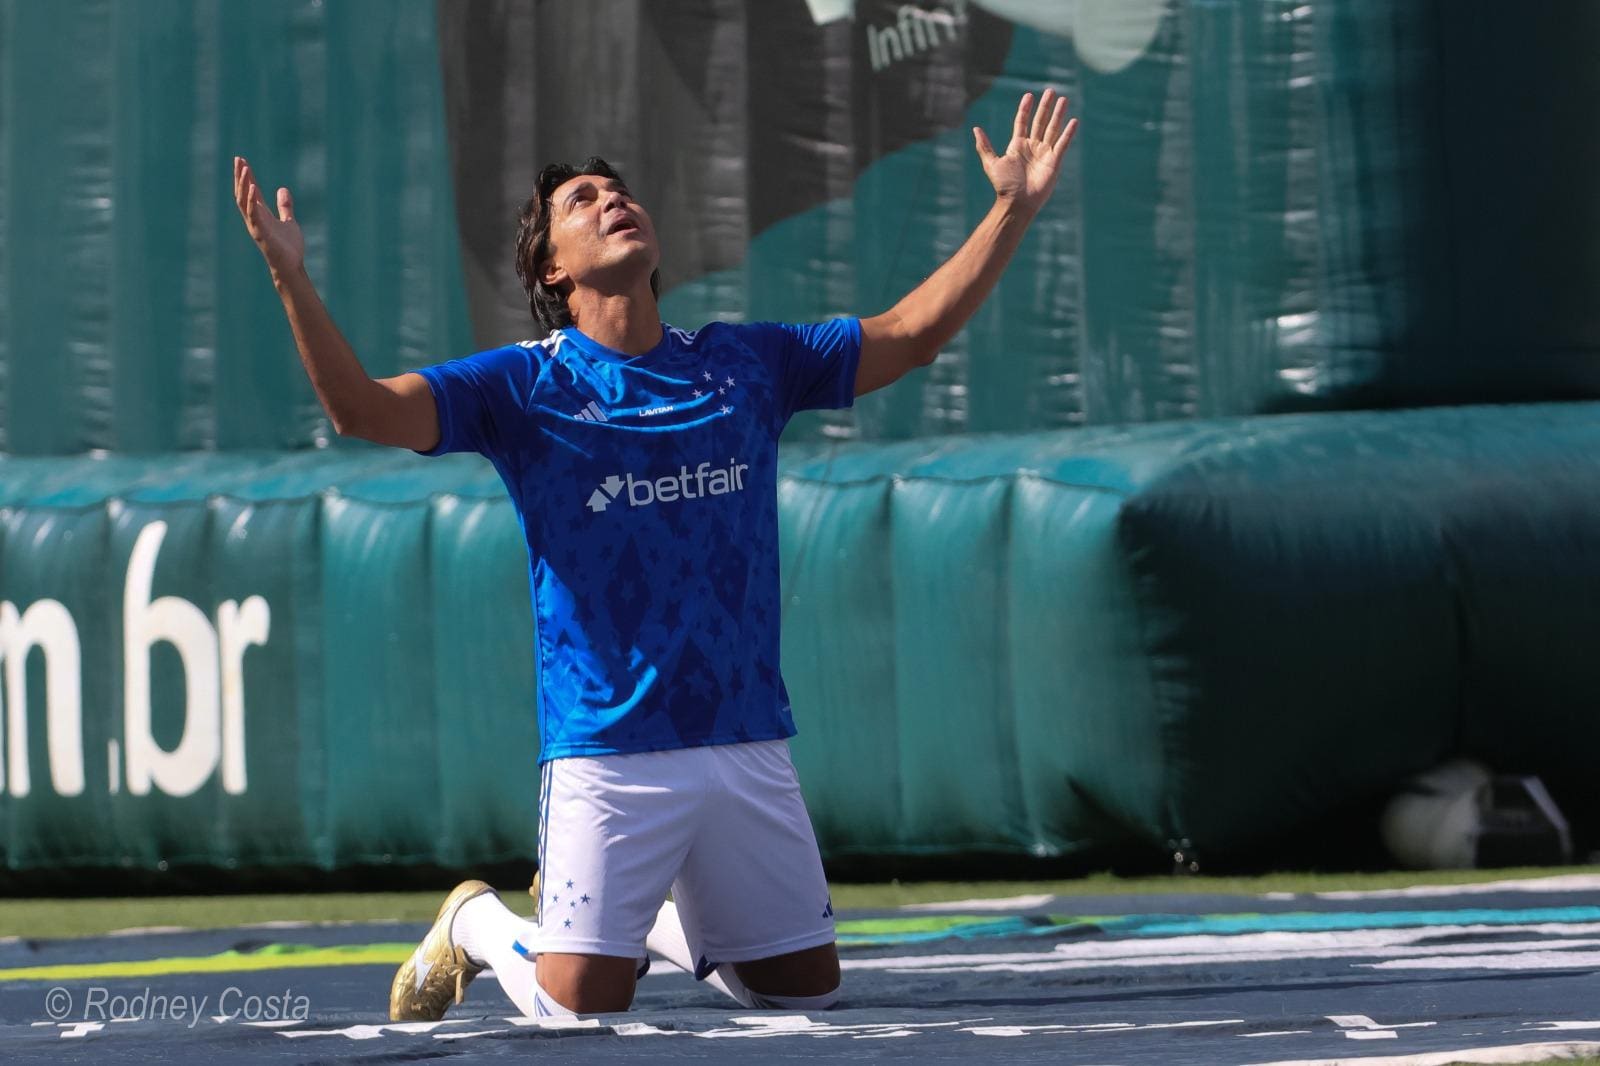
[{"x": 626, "y": 322}]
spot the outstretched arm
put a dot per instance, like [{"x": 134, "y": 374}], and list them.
[
  {"x": 399, "y": 411},
  {"x": 910, "y": 333}
]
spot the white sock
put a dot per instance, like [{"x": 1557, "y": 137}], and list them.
[
  {"x": 668, "y": 940},
  {"x": 489, "y": 932}
]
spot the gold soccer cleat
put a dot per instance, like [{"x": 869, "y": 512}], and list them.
[{"x": 437, "y": 973}]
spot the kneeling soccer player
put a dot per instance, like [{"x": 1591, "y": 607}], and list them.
[{"x": 642, "y": 462}]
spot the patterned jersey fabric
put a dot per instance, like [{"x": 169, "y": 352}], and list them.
[{"x": 647, "y": 492}]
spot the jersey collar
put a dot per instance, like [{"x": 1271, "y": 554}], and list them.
[{"x": 594, "y": 348}]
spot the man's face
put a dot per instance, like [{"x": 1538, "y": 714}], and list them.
[{"x": 599, "y": 237}]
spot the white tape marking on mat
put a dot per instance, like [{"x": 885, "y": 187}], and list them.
[
  {"x": 369, "y": 1032},
  {"x": 760, "y": 1026},
  {"x": 556, "y": 1022},
  {"x": 1361, "y": 1027},
  {"x": 1361, "y": 1021},
  {"x": 1101, "y": 1027}
]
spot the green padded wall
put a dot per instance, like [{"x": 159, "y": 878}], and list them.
[
  {"x": 1033, "y": 644},
  {"x": 1273, "y": 205},
  {"x": 137, "y": 315}
]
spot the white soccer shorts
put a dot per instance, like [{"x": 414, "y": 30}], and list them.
[{"x": 724, "y": 827}]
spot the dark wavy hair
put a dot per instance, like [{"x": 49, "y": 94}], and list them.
[{"x": 549, "y": 305}]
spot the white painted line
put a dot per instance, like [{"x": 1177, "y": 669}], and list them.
[
  {"x": 1361, "y": 1021},
  {"x": 643, "y": 1029},
  {"x": 369, "y": 1032},
  {"x": 1557, "y": 883},
  {"x": 559, "y": 1022},
  {"x": 1527, "y": 960},
  {"x": 777, "y": 1021},
  {"x": 1503, "y": 1054},
  {"x": 154, "y": 930},
  {"x": 761, "y": 1027},
  {"x": 1099, "y": 1027},
  {"x": 345, "y": 923},
  {"x": 1391, "y": 945},
  {"x": 1010, "y": 903}
]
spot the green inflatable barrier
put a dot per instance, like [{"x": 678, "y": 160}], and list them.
[
  {"x": 1214, "y": 631},
  {"x": 1036, "y": 644},
  {"x": 263, "y": 660}
]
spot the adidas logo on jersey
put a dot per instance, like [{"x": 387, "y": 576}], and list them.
[
  {"x": 592, "y": 413},
  {"x": 705, "y": 480}
]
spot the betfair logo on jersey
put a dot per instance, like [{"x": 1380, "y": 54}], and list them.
[{"x": 704, "y": 480}]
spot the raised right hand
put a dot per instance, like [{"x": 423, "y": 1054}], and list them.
[{"x": 279, "y": 239}]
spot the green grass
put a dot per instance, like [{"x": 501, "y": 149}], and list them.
[{"x": 88, "y": 917}]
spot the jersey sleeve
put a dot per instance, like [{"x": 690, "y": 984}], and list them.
[
  {"x": 813, "y": 365},
  {"x": 481, "y": 398}
]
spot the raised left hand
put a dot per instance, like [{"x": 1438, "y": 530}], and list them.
[{"x": 1026, "y": 174}]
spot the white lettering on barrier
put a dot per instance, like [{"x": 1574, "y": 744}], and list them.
[
  {"x": 239, "y": 626},
  {"x": 214, "y": 696},
  {"x": 145, "y": 623},
  {"x": 213, "y": 667},
  {"x": 48, "y": 626}
]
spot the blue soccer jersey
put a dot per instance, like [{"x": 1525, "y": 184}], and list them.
[{"x": 647, "y": 491}]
